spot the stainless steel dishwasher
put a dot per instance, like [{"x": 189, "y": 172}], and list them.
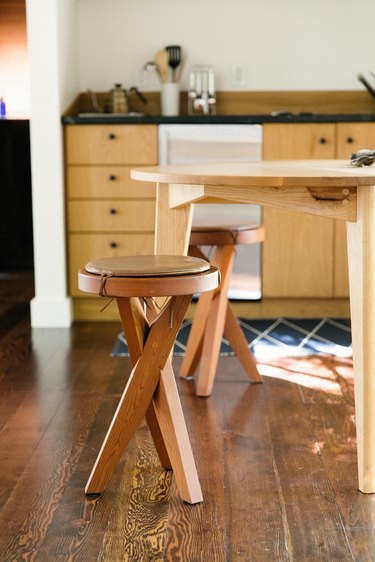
[{"x": 183, "y": 144}]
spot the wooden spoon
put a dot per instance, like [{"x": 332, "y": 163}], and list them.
[{"x": 161, "y": 59}]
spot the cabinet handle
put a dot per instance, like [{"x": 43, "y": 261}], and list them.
[
  {"x": 113, "y": 244},
  {"x": 350, "y": 140},
  {"x": 112, "y": 211},
  {"x": 112, "y": 177},
  {"x": 322, "y": 140},
  {"x": 111, "y": 136}
]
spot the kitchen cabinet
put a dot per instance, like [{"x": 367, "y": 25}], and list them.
[
  {"x": 317, "y": 265},
  {"x": 298, "y": 258},
  {"x": 304, "y": 257},
  {"x": 108, "y": 213}
]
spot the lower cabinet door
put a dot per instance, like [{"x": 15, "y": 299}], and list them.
[
  {"x": 298, "y": 256},
  {"x": 298, "y": 251}
]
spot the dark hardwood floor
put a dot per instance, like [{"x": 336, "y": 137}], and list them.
[{"x": 277, "y": 461}]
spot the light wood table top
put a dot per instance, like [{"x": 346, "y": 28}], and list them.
[{"x": 268, "y": 173}]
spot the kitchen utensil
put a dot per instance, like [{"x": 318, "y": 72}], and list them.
[
  {"x": 161, "y": 59},
  {"x": 201, "y": 94},
  {"x": 118, "y": 99},
  {"x": 174, "y": 58}
]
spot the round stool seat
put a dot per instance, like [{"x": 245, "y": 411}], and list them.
[
  {"x": 226, "y": 235},
  {"x": 148, "y": 276}
]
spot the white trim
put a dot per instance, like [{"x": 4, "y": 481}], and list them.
[{"x": 51, "y": 312}]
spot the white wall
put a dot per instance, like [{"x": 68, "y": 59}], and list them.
[
  {"x": 286, "y": 44},
  {"x": 51, "y": 42}
]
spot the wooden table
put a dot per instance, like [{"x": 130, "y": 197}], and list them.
[{"x": 328, "y": 188}]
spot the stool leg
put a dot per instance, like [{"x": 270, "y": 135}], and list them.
[
  {"x": 195, "y": 342},
  {"x": 237, "y": 340},
  {"x": 138, "y": 392},
  {"x": 224, "y": 257},
  {"x": 171, "y": 419},
  {"x": 136, "y": 329},
  {"x": 194, "y": 345}
]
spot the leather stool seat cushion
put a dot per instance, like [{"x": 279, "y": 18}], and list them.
[{"x": 147, "y": 266}]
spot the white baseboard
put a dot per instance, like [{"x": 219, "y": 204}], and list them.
[{"x": 51, "y": 313}]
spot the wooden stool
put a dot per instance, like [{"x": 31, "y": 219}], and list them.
[
  {"x": 214, "y": 314},
  {"x": 150, "y": 332}
]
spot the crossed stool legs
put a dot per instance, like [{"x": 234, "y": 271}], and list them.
[
  {"x": 214, "y": 315},
  {"x": 151, "y": 390}
]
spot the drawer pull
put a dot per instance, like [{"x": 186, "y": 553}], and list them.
[
  {"x": 112, "y": 177},
  {"x": 113, "y": 244},
  {"x": 111, "y": 136},
  {"x": 322, "y": 140},
  {"x": 112, "y": 211},
  {"x": 349, "y": 140}
]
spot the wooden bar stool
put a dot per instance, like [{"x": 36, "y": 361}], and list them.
[
  {"x": 150, "y": 330},
  {"x": 214, "y": 315}
]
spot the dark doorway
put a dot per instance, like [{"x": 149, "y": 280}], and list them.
[{"x": 16, "y": 234}]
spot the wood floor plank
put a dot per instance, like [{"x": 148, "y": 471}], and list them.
[
  {"x": 47, "y": 475},
  {"x": 79, "y": 522},
  {"x": 277, "y": 462},
  {"x": 52, "y": 461},
  {"x": 197, "y": 532},
  {"x": 333, "y": 420},
  {"x": 256, "y": 527},
  {"x": 15, "y": 347},
  {"x": 137, "y": 524},
  {"x": 29, "y": 416},
  {"x": 304, "y": 487}
]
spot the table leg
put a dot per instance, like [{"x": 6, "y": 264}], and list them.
[
  {"x": 172, "y": 225},
  {"x": 361, "y": 254}
]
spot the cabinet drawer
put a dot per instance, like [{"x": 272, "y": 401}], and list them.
[
  {"x": 111, "y": 144},
  {"x": 86, "y": 247},
  {"x": 111, "y": 216},
  {"x": 104, "y": 182},
  {"x": 298, "y": 141},
  {"x": 354, "y": 136}
]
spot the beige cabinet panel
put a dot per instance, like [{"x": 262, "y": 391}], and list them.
[
  {"x": 283, "y": 141},
  {"x": 83, "y": 248},
  {"x": 298, "y": 250},
  {"x": 106, "y": 182},
  {"x": 354, "y": 136},
  {"x": 111, "y": 144},
  {"x": 298, "y": 257},
  {"x": 111, "y": 216}
]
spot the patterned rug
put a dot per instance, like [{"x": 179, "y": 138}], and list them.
[{"x": 281, "y": 337}]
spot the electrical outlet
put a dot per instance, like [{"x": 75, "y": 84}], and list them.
[{"x": 239, "y": 74}]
